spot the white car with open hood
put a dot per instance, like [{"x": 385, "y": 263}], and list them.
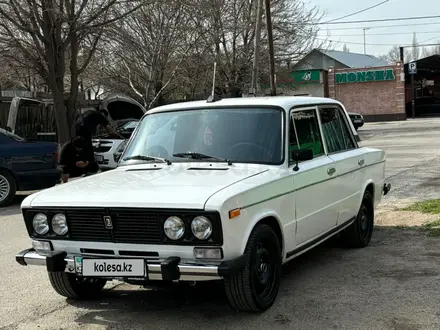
[
  {"x": 124, "y": 114},
  {"x": 223, "y": 190}
]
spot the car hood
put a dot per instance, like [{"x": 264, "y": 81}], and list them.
[
  {"x": 150, "y": 186},
  {"x": 121, "y": 107}
]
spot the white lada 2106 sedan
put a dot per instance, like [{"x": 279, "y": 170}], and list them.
[{"x": 223, "y": 190}]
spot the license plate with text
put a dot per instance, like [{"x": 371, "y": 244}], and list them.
[
  {"x": 113, "y": 267},
  {"x": 99, "y": 158}
]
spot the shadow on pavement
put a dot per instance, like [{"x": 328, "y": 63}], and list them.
[
  {"x": 325, "y": 288},
  {"x": 194, "y": 306}
]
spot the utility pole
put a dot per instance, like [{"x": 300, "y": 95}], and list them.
[
  {"x": 273, "y": 87},
  {"x": 402, "y": 59},
  {"x": 365, "y": 41},
  {"x": 253, "y": 89}
]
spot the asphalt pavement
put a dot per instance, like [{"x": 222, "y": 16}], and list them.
[{"x": 392, "y": 284}]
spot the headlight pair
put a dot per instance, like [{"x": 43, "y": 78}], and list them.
[
  {"x": 174, "y": 227},
  {"x": 41, "y": 224}
]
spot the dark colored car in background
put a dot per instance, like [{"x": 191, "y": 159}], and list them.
[
  {"x": 357, "y": 120},
  {"x": 26, "y": 165}
]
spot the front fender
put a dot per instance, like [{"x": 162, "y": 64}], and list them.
[{"x": 257, "y": 217}]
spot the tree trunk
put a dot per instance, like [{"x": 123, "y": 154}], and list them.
[{"x": 72, "y": 101}]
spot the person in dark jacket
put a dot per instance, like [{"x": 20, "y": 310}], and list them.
[
  {"x": 88, "y": 122},
  {"x": 75, "y": 160}
]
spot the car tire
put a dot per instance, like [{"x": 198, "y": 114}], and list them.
[
  {"x": 74, "y": 287},
  {"x": 359, "y": 233},
  {"x": 255, "y": 288},
  {"x": 8, "y": 188}
]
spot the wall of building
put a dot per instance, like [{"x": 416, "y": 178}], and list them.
[
  {"x": 300, "y": 82},
  {"x": 316, "y": 90},
  {"x": 374, "y": 95}
]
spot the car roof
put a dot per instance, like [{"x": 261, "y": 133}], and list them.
[{"x": 285, "y": 102}]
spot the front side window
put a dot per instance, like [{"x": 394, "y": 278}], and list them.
[
  {"x": 304, "y": 133},
  {"x": 241, "y": 135},
  {"x": 335, "y": 130}
]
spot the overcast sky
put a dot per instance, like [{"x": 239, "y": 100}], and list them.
[{"x": 402, "y": 35}]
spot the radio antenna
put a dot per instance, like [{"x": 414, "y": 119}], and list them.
[{"x": 214, "y": 97}]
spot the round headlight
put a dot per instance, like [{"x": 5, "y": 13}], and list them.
[
  {"x": 40, "y": 224},
  {"x": 174, "y": 228},
  {"x": 59, "y": 224},
  {"x": 201, "y": 227}
]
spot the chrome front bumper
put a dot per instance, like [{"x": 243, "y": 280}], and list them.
[{"x": 170, "y": 269}]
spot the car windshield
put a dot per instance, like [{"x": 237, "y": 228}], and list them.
[{"x": 240, "y": 135}]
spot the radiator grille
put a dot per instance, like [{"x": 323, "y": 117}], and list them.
[{"x": 129, "y": 226}]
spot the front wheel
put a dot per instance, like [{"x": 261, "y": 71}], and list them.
[
  {"x": 255, "y": 288},
  {"x": 74, "y": 287}
]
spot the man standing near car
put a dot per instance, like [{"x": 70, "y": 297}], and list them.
[
  {"x": 75, "y": 160},
  {"x": 88, "y": 122}
]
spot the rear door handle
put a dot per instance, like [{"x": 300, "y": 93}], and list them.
[
  {"x": 361, "y": 162},
  {"x": 331, "y": 171}
]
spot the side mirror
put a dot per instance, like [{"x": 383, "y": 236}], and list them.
[{"x": 301, "y": 155}]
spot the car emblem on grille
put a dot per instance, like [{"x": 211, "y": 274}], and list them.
[{"x": 108, "y": 222}]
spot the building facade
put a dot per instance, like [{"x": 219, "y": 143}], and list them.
[{"x": 363, "y": 83}]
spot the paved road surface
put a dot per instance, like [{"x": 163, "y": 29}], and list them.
[{"x": 390, "y": 285}]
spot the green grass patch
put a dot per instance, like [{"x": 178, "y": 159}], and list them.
[{"x": 430, "y": 206}]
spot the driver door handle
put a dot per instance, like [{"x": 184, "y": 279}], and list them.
[{"x": 331, "y": 171}]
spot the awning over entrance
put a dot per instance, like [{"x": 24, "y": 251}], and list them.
[
  {"x": 426, "y": 85},
  {"x": 426, "y": 66}
]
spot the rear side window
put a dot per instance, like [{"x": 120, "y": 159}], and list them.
[
  {"x": 304, "y": 132},
  {"x": 335, "y": 130}
]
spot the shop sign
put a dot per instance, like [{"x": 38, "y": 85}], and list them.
[
  {"x": 365, "y": 76},
  {"x": 295, "y": 78}
]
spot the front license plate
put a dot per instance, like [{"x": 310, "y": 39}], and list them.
[
  {"x": 99, "y": 158},
  {"x": 113, "y": 267}
]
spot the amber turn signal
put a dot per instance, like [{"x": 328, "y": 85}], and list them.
[{"x": 234, "y": 213}]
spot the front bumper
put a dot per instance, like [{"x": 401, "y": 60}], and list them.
[{"x": 169, "y": 269}]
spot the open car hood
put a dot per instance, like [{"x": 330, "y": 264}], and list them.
[{"x": 122, "y": 107}]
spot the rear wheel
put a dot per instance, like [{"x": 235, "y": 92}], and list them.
[
  {"x": 8, "y": 188},
  {"x": 255, "y": 288},
  {"x": 74, "y": 287},
  {"x": 359, "y": 233}
]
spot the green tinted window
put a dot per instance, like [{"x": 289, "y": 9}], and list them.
[
  {"x": 335, "y": 130},
  {"x": 304, "y": 132}
]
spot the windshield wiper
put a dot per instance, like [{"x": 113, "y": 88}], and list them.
[
  {"x": 198, "y": 155},
  {"x": 141, "y": 157}
]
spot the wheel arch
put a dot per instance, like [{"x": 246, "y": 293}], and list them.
[
  {"x": 270, "y": 218},
  {"x": 371, "y": 188},
  {"x": 9, "y": 171}
]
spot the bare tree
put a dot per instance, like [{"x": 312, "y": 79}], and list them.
[
  {"x": 393, "y": 55},
  {"x": 59, "y": 39},
  {"x": 415, "y": 49},
  {"x": 430, "y": 51},
  {"x": 168, "y": 50}
]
